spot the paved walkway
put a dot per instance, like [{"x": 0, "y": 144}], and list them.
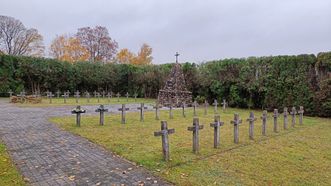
[{"x": 46, "y": 155}]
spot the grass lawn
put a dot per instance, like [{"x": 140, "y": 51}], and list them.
[
  {"x": 8, "y": 173},
  {"x": 298, "y": 156},
  {"x": 83, "y": 101}
]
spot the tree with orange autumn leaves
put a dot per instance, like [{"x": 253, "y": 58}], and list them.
[
  {"x": 144, "y": 56},
  {"x": 67, "y": 48}
]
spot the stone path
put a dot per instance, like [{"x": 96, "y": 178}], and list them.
[{"x": 46, "y": 155}]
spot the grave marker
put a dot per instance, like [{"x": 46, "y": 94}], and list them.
[
  {"x": 102, "y": 110},
  {"x": 215, "y": 106},
  {"x": 206, "y": 107},
  {"x": 276, "y": 114},
  {"x": 135, "y": 97},
  {"x": 251, "y": 120},
  {"x": 50, "y": 96},
  {"x": 77, "y": 95},
  {"x": 78, "y": 111},
  {"x": 58, "y": 93},
  {"x": 195, "y": 129},
  {"x": 65, "y": 96},
  {"x": 171, "y": 115},
  {"x": 293, "y": 113},
  {"x": 301, "y": 111},
  {"x": 157, "y": 106},
  {"x": 10, "y": 92},
  {"x": 109, "y": 95},
  {"x": 123, "y": 110},
  {"x": 194, "y": 108},
  {"x": 88, "y": 96},
  {"x": 217, "y": 125},
  {"x": 264, "y": 122},
  {"x": 142, "y": 108},
  {"x": 285, "y": 114},
  {"x": 127, "y": 96},
  {"x": 224, "y": 104},
  {"x": 236, "y": 122},
  {"x": 165, "y": 140},
  {"x": 118, "y": 97},
  {"x": 98, "y": 96},
  {"x": 95, "y": 94},
  {"x": 183, "y": 109},
  {"x": 103, "y": 94}
]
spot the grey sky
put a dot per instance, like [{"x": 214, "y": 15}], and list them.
[{"x": 199, "y": 30}]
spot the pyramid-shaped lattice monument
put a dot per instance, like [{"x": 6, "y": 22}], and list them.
[{"x": 174, "y": 92}]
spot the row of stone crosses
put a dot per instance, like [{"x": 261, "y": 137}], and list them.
[
  {"x": 196, "y": 126},
  {"x": 77, "y": 95}
]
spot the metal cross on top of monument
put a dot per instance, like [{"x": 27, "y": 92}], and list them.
[{"x": 174, "y": 91}]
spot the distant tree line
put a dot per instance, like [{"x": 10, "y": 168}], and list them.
[{"x": 255, "y": 82}]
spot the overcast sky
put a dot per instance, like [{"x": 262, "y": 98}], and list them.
[{"x": 199, "y": 30}]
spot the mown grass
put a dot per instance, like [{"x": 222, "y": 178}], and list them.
[
  {"x": 83, "y": 101},
  {"x": 8, "y": 173},
  {"x": 298, "y": 156}
]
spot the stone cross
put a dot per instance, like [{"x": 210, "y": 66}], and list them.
[
  {"x": 77, "y": 111},
  {"x": 215, "y": 106},
  {"x": 102, "y": 110},
  {"x": 103, "y": 94},
  {"x": 65, "y": 96},
  {"x": 165, "y": 141},
  {"x": 127, "y": 96},
  {"x": 10, "y": 92},
  {"x": 95, "y": 94},
  {"x": 50, "y": 95},
  {"x": 224, "y": 104},
  {"x": 58, "y": 93},
  {"x": 236, "y": 122},
  {"x": 300, "y": 112},
  {"x": 194, "y": 108},
  {"x": 183, "y": 109},
  {"x": 264, "y": 122},
  {"x": 123, "y": 110},
  {"x": 109, "y": 95},
  {"x": 135, "y": 97},
  {"x": 206, "y": 107},
  {"x": 118, "y": 96},
  {"x": 98, "y": 96},
  {"x": 171, "y": 114},
  {"x": 157, "y": 106},
  {"x": 87, "y": 95},
  {"x": 276, "y": 114},
  {"x": 251, "y": 120},
  {"x": 285, "y": 114},
  {"x": 68, "y": 93},
  {"x": 77, "y": 95},
  {"x": 217, "y": 125},
  {"x": 293, "y": 113},
  {"x": 142, "y": 108},
  {"x": 195, "y": 129},
  {"x": 22, "y": 95},
  {"x": 47, "y": 92}
]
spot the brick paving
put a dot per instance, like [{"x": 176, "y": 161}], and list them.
[{"x": 47, "y": 155}]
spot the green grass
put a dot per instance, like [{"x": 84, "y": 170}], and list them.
[
  {"x": 8, "y": 173},
  {"x": 298, "y": 156},
  {"x": 83, "y": 101}
]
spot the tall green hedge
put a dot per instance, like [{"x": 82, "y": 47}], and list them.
[{"x": 255, "y": 82}]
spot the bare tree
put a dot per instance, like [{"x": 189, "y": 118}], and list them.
[
  {"x": 15, "y": 39},
  {"x": 98, "y": 42}
]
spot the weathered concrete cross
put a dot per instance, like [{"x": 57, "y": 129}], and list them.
[
  {"x": 206, "y": 107},
  {"x": 157, "y": 106},
  {"x": 285, "y": 114},
  {"x": 10, "y": 92},
  {"x": 142, "y": 108},
  {"x": 236, "y": 122},
  {"x": 183, "y": 109},
  {"x": 127, "y": 96},
  {"x": 171, "y": 114},
  {"x": 165, "y": 140},
  {"x": 224, "y": 104},
  {"x": 65, "y": 96},
  {"x": 300, "y": 112},
  {"x": 87, "y": 95},
  {"x": 123, "y": 109},
  {"x": 276, "y": 114},
  {"x": 195, "y": 104},
  {"x": 102, "y": 110},
  {"x": 135, "y": 97},
  {"x": 47, "y": 92},
  {"x": 251, "y": 120},
  {"x": 98, "y": 96},
  {"x": 118, "y": 96},
  {"x": 215, "y": 106},
  {"x": 293, "y": 113},
  {"x": 264, "y": 122},
  {"x": 109, "y": 95},
  {"x": 78, "y": 111},
  {"x": 217, "y": 125},
  {"x": 77, "y": 95},
  {"x": 58, "y": 93},
  {"x": 50, "y": 96},
  {"x": 103, "y": 94},
  {"x": 95, "y": 94},
  {"x": 195, "y": 129}
]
